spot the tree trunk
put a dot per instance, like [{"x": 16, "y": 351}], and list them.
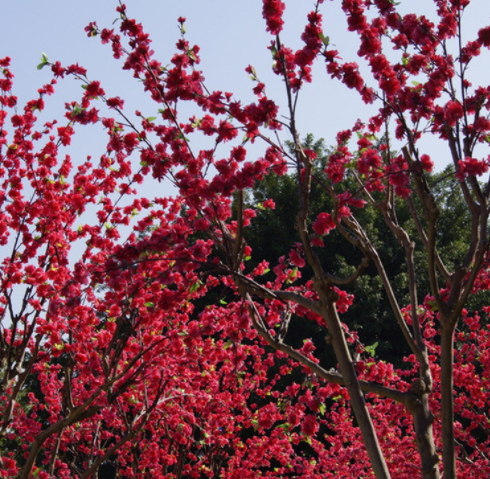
[
  {"x": 447, "y": 403},
  {"x": 422, "y": 423},
  {"x": 356, "y": 395}
]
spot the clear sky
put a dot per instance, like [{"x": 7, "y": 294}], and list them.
[{"x": 231, "y": 35}]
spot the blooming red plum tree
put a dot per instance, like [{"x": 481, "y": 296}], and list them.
[{"x": 135, "y": 333}]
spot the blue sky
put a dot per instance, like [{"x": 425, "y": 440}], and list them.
[{"x": 231, "y": 35}]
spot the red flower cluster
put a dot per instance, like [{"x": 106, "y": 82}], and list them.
[
  {"x": 472, "y": 167},
  {"x": 323, "y": 224},
  {"x": 272, "y": 11}
]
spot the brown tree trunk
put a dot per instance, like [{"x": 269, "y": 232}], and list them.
[
  {"x": 422, "y": 424},
  {"x": 447, "y": 403},
  {"x": 356, "y": 395}
]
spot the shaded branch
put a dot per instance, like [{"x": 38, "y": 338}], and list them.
[{"x": 331, "y": 377}]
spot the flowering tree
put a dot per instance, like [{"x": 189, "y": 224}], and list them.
[{"x": 133, "y": 329}]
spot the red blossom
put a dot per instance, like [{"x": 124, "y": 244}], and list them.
[
  {"x": 344, "y": 300},
  {"x": 309, "y": 425},
  {"x": 426, "y": 162},
  {"x": 453, "y": 111},
  {"x": 269, "y": 204},
  {"x": 323, "y": 224},
  {"x": 296, "y": 259},
  {"x": 471, "y": 166},
  {"x": 351, "y": 76},
  {"x": 65, "y": 133},
  {"x": 115, "y": 102},
  {"x": 484, "y": 37},
  {"x": 272, "y": 11}
]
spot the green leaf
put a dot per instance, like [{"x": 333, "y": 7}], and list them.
[
  {"x": 77, "y": 110},
  {"x": 195, "y": 286},
  {"x": 44, "y": 61},
  {"x": 292, "y": 275},
  {"x": 149, "y": 304},
  {"x": 307, "y": 439},
  {"x": 432, "y": 305},
  {"x": 324, "y": 39},
  {"x": 372, "y": 349}
]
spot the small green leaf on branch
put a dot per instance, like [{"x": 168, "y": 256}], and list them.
[
  {"x": 324, "y": 39},
  {"x": 195, "y": 286},
  {"x": 371, "y": 349},
  {"x": 44, "y": 61}
]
